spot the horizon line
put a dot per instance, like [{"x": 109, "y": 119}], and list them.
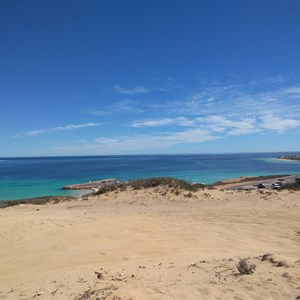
[{"x": 147, "y": 154}]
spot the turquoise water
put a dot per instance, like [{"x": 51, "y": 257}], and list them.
[{"x": 44, "y": 176}]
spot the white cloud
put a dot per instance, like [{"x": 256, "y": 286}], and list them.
[
  {"x": 227, "y": 125},
  {"x": 98, "y": 112},
  {"x": 199, "y": 130},
  {"x": 180, "y": 121},
  {"x": 139, "y": 143},
  {"x": 237, "y": 100},
  {"x": 255, "y": 99},
  {"x": 184, "y": 121},
  {"x": 278, "y": 124},
  {"x": 61, "y": 128},
  {"x": 118, "y": 107},
  {"x": 163, "y": 140},
  {"x": 190, "y": 136},
  {"x": 152, "y": 123},
  {"x": 213, "y": 123},
  {"x": 235, "y": 127},
  {"x": 216, "y": 111},
  {"x": 139, "y": 89},
  {"x": 127, "y": 106},
  {"x": 166, "y": 85},
  {"x": 292, "y": 92}
]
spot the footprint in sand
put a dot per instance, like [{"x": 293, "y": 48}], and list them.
[{"x": 125, "y": 258}]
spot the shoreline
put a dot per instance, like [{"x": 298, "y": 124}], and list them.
[
  {"x": 230, "y": 183},
  {"x": 25, "y": 182}
]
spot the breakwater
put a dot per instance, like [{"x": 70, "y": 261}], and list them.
[
  {"x": 290, "y": 157},
  {"x": 91, "y": 184}
]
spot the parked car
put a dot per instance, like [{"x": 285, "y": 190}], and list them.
[
  {"x": 260, "y": 186},
  {"x": 276, "y": 186},
  {"x": 279, "y": 183}
]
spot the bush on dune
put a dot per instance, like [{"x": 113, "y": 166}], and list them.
[
  {"x": 153, "y": 182},
  {"x": 295, "y": 186},
  {"x": 164, "y": 182},
  {"x": 245, "y": 268},
  {"x": 105, "y": 189}
]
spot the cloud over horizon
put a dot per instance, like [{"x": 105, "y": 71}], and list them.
[
  {"x": 61, "y": 128},
  {"x": 214, "y": 112}
]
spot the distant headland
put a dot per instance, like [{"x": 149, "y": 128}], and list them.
[{"x": 290, "y": 157}]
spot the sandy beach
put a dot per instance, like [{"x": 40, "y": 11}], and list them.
[{"x": 153, "y": 244}]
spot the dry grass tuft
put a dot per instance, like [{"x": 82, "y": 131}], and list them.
[{"x": 245, "y": 268}]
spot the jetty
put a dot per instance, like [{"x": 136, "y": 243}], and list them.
[
  {"x": 92, "y": 184},
  {"x": 289, "y": 157}
]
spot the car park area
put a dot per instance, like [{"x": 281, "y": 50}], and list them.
[{"x": 262, "y": 182}]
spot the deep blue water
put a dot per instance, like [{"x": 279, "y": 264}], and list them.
[{"x": 33, "y": 177}]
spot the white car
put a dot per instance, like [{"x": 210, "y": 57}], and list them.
[{"x": 275, "y": 186}]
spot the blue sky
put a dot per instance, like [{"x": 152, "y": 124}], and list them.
[{"x": 134, "y": 77}]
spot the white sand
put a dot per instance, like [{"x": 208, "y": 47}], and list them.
[{"x": 146, "y": 245}]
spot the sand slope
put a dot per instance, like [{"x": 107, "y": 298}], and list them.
[{"x": 153, "y": 245}]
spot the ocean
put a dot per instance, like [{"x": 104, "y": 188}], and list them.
[{"x": 44, "y": 176}]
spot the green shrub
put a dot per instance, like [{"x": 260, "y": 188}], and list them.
[
  {"x": 138, "y": 184},
  {"x": 177, "y": 184},
  {"x": 105, "y": 189},
  {"x": 292, "y": 186}
]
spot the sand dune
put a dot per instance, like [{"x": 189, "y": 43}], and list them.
[{"x": 152, "y": 245}]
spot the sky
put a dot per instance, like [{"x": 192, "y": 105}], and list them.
[{"x": 149, "y": 77}]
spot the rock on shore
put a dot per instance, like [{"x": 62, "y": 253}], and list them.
[{"x": 290, "y": 157}]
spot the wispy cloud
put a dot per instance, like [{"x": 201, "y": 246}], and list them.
[
  {"x": 98, "y": 112},
  {"x": 139, "y": 143},
  {"x": 181, "y": 121},
  {"x": 139, "y": 89},
  {"x": 238, "y": 100},
  {"x": 225, "y": 124},
  {"x": 61, "y": 128},
  {"x": 159, "y": 140},
  {"x": 233, "y": 126},
  {"x": 215, "y": 112},
  {"x": 278, "y": 124},
  {"x": 127, "y": 106},
  {"x": 293, "y": 92},
  {"x": 272, "y": 80},
  {"x": 166, "y": 85},
  {"x": 124, "y": 106},
  {"x": 152, "y": 123}
]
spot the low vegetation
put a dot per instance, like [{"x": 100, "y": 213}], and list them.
[
  {"x": 295, "y": 186},
  {"x": 245, "y": 268},
  {"x": 165, "y": 182},
  {"x": 173, "y": 184},
  {"x": 35, "y": 201}
]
